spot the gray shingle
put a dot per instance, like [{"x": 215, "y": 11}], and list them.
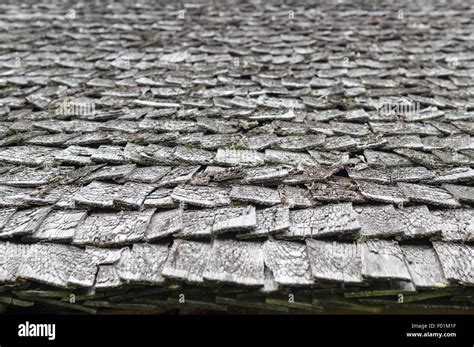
[{"x": 235, "y": 262}]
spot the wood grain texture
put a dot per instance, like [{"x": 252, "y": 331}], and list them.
[
  {"x": 239, "y": 157},
  {"x": 236, "y": 262},
  {"x": 328, "y": 220},
  {"x": 234, "y": 219},
  {"x": 383, "y": 260},
  {"x": 59, "y": 225},
  {"x": 107, "y": 277},
  {"x": 24, "y": 222},
  {"x": 428, "y": 194},
  {"x": 295, "y": 197},
  {"x": 197, "y": 223},
  {"x": 457, "y": 261},
  {"x": 269, "y": 221},
  {"x": 113, "y": 228},
  {"x": 132, "y": 195},
  {"x": 424, "y": 267},
  {"x": 160, "y": 198},
  {"x": 11, "y": 257},
  {"x": 5, "y": 215},
  {"x": 335, "y": 261},
  {"x": 202, "y": 196},
  {"x": 143, "y": 263},
  {"x": 163, "y": 224},
  {"x": 418, "y": 222},
  {"x": 255, "y": 194},
  {"x": 461, "y": 193},
  {"x": 379, "y": 221},
  {"x": 97, "y": 194},
  {"x": 455, "y": 225},
  {"x": 288, "y": 262},
  {"x": 383, "y": 193},
  {"x": 187, "y": 260},
  {"x": 58, "y": 265}
]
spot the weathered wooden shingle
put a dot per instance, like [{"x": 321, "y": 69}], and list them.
[
  {"x": 148, "y": 174},
  {"x": 233, "y": 139},
  {"x": 300, "y": 143},
  {"x": 58, "y": 265},
  {"x": 452, "y": 175},
  {"x": 109, "y": 154},
  {"x": 424, "y": 267},
  {"x": 143, "y": 263},
  {"x": 160, "y": 198},
  {"x": 382, "y": 192},
  {"x": 13, "y": 197},
  {"x": 236, "y": 262},
  {"x": 104, "y": 255},
  {"x": 379, "y": 221},
  {"x": 163, "y": 224},
  {"x": 387, "y": 176},
  {"x": 31, "y": 177},
  {"x": 289, "y": 158},
  {"x": 426, "y": 159},
  {"x": 234, "y": 219},
  {"x": 112, "y": 228},
  {"x": 295, "y": 197},
  {"x": 381, "y": 159},
  {"x": 207, "y": 222},
  {"x": 383, "y": 260},
  {"x": 158, "y": 155},
  {"x": 336, "y": 189},
  {"x": 107, "y": 277},
  {"x": 255, "y": 194},
  {"x": 25, "y": 222},
  {"x": 335, "y": 261},
  {"x": 266, "y": 174},
  {"x": 179, "y": 175},
  {"x": 5, "y": 215},
  {"x": 59, "y": 225},
  {"x": 259, "y": 142},
  {"x": 269, "y": 221},
  {"x": 193, "y": 155},
  {"x": 75, "y": 155},
  {"x": 310, "y": 175},
  {"x": 27, "y": 155},
  {"x": 461, "y": 193},
  {"x": 107, "y": 173},
  {"x": 62, "y": 196},
  {"x": 187, "y": 260},
  {"x": 457, "y": 261},
  {"x": 239, "y": 157},
  {"x": 12, "y": 255},
  {"x": 328, "y": 220},
  {"x": 455, "y": 225},
  {"x": 288, "y": 262},
  {"x": 131, "y": 195},
  {"x": 47, "y": 263},
  {"x": 428, "y": 195},
  {"x": 97, "y": 194},
  {"x": 418, "y": 222},
  {"x": 203, "y": 196},
  {"x": 197, "y": 223}
]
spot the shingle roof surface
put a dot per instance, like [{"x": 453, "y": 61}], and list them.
[{"x": 225, "y": 149}]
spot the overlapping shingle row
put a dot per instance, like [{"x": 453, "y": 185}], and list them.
[
  {"x": 342, "y": 220},
  {"x": 240, "y": 263}
]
